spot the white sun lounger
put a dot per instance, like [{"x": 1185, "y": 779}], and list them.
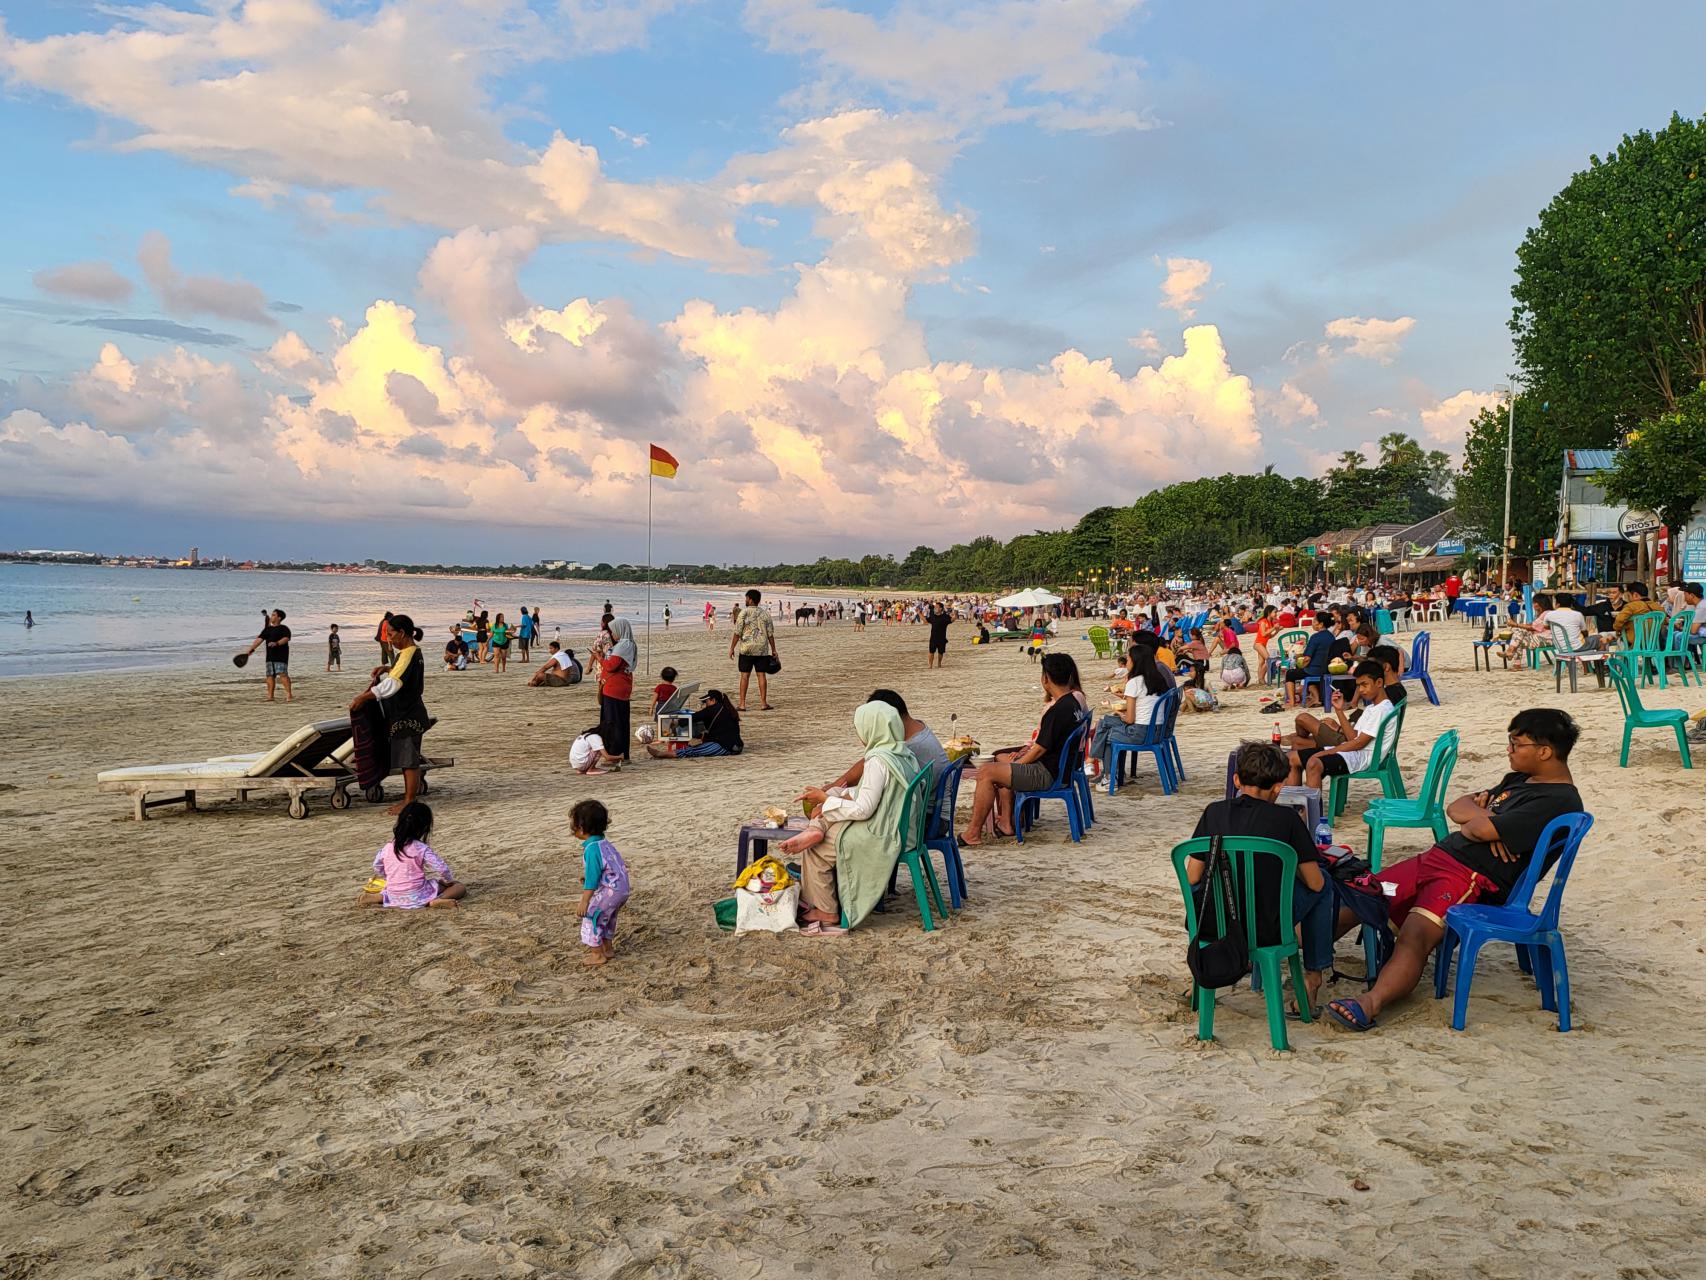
[
  {"x": 316, "y": 757},
  {"x": 303, "y": 762}
]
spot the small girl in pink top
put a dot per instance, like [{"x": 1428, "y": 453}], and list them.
[{"x": 412, "y": 874}]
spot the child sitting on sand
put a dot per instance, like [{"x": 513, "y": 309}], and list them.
[
  {"x": 408, "y": 872},
  {"x": 604, "y": 884},
  {"x": 588, "y": 754}
]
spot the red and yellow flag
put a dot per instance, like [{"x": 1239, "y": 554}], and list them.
[{"x": 663, "y": 463}]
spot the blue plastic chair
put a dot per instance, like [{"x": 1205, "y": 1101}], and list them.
[
  {"x": 941, "y": 835},
  {"x": 1539, "y": 945},
  {"x": 1418, "y": 668},
  {"x": 1028, "y": 804},
  {"x": 1163, "y": 719}
]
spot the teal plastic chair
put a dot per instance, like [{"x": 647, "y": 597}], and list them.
[
  {"x": 1679, "y": 651},
  {"x": 914, "y": 853},
  {"x": 1267, "y": 961},
  {"x": 1382, "y": 765},
  {"x": 1635, "y": 716},
  {"x": 1383, "y": 624},
  {"x": 1426, "y": 810},
  {"x": 1650, "y": 647}
]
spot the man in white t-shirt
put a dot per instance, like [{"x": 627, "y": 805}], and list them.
[
  {"x": 561, "y": 668},
  {"x": 1309, "y": 765}
]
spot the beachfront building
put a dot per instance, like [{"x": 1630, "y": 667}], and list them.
[{"x": 1600, "y": 541}]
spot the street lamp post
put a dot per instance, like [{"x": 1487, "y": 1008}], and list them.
[{"x": 1510, "y": 438}]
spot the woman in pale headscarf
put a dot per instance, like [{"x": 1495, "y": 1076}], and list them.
[
  {"x": 618, "y": 687},
  {"x": 850, "y": 847}
]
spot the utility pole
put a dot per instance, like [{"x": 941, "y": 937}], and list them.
[{"x": 1510, "y": 437}]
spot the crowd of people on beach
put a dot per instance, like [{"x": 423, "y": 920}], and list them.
[{"x": 1337, "y": 682}]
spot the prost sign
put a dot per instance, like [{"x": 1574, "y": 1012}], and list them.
[{"x": 1635, "y": 525}]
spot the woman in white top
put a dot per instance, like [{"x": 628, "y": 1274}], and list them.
[{"x": 1146, "y": 681}]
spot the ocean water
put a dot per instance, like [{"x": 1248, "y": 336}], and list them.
[{"x": 91, "y": 618}]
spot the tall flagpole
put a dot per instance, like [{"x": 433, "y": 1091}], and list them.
[{"x": 648, "y": 567}]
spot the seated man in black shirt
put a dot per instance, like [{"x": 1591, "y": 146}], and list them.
[
  {"x": 1482, "y": 860},
  {"x": 1030, "y": 768},
  {"x": 1259, "y": 771}
]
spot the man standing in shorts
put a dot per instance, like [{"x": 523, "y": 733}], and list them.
[
  {"x": 939, "y": 618},
  {"x": 276, "y": 636},
  {"x": 1497, "y": 831},
  {"x": 753, "y": 645}
]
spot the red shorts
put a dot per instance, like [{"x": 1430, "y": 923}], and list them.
[{"x": 1429, "y": 885}]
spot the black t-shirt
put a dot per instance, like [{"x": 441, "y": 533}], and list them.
[
  {"x": 1521, "y": 809},
  {"x": 939, "y": 627},
  {"x": 1058, "y": 723},
  {"x": 1246, "y": 816},
  {"x": 277, "y": 639}
]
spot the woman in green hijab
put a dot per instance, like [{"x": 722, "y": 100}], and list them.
[{"x": 850, "y": 847}]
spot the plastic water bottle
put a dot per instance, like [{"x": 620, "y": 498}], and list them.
[
  {"x": 1276, "y": 737},
  {"x": 1324, "y": 834}
]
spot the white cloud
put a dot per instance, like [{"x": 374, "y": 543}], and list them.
[
  {"x": 609, "y": 26},
  {"x": 390, "y": 104},
  {"x": 1037, "y": 60},
  {"x": 1445, "y": 424},
  {"x": 1369, "y": 338},
  {"x": 873, "y": 178},
  {"x": 632, "y": 139},
  {"x": 198, "y": 295},
  {"x": 1290, "y": 405},
  {"x": 96, "y": 281},
  {"x": 1187, "y": 279}
]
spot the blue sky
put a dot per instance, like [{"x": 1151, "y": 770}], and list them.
[{"x": 422, "y": 280}]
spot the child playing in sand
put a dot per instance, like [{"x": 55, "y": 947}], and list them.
[
  {"x": 334, "y": 649},
  {"x": 604, "y": 885},
  {"x": 587, "y": 754},
  {"x": 410, "y": 873}
]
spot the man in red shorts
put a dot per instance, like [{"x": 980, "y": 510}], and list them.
[{"x": 1482, "y": 860}]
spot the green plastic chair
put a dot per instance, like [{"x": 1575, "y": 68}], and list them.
[
  {"x": 1104, "y": 645},
  {"x": 1635, "y": 716},
  {"x": 914, "y": 853},
  {"x": 1244, "y": 850},
  {"x": 1426, "y": 810},
  {"x": 1382, "y": 765},
  {"x": 1650, "y": 647}
]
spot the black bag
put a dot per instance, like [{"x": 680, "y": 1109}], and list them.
[
  {"x": 771, "y": 664},
  {"x": 1227, "y": 959}
]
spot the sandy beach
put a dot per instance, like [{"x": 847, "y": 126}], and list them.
[{"x": 214, "y": 1064}]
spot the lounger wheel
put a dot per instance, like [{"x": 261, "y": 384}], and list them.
[
  {"x": 374, "y": 794},
  {"x": 340, "y": 798},
  {"x": 425, "y": 785},
  {"x": 298, "y": 806}
]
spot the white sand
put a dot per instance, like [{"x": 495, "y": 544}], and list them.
[{"x": 214, "y": 1064}]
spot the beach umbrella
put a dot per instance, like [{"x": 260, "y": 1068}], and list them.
[{"x": 1030, "y": 598}]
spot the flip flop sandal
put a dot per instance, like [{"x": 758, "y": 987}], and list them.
[
  {"x": 1355, "y": 1020},
  {"x": 1292, "y": 1014},
  {"x": 818, "y": 930}
]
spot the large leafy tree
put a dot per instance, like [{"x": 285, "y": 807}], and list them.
[
  {"x": 1611, "y": 285},
  {"x": 1662, "y": 466}
]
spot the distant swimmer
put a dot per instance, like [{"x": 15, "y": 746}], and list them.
[{"x": 29, "y": 618}]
